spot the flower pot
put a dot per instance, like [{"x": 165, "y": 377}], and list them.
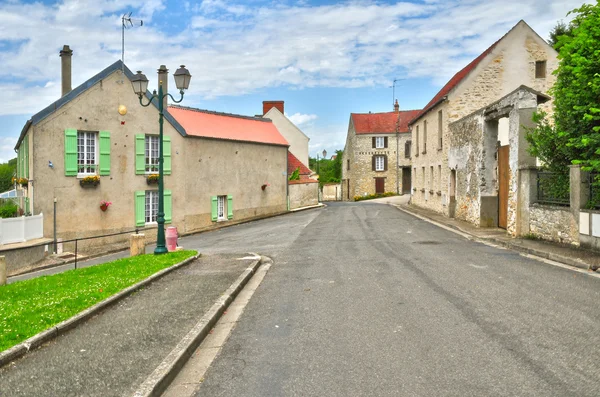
[{"x": 104, "y": 207}]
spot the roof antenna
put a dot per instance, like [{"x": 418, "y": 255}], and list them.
[
  {"x": 393, "y": 87},
  {"x": 126, "y": 23}
]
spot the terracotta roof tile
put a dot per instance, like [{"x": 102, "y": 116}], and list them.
[
  {"x": 382, "y": 123},
  {"x": 207, "y": 124},
  {"x": 294, "y": 163}
]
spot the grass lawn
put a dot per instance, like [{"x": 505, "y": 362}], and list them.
[{"x": 31, "y": 306}]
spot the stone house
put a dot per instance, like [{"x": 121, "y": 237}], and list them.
[
  {"x": 215, "y": 164},
  {"x": 520, "y": 57},
  {"x": 377, "y": 154},
  {"x": 297, "y": 139}
]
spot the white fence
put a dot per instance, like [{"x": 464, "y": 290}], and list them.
[{"x": 21, "y": 229}]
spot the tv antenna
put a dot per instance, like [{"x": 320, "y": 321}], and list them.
[
  {"x": 393, "y": 87},
  {"x": 126, "y": 23}
]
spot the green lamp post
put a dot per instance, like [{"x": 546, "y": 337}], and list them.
[{"x": 140, "y": 85}]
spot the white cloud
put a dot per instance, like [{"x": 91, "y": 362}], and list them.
[
  {"x": 301, "y": 119},
  {"x": 232, "y": 48},
  {"x": 7, "y": 151}
]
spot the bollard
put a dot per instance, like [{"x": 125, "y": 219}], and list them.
[
  {"x": 2, "y": 270},
  {"x": 137, "y": 244}
]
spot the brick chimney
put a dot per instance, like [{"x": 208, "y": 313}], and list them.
[
  {"x": 65, "y": 61},
  {"x": 268, "y": 105},
  {"x": 163, "y": 75},
  {"x": 396, "y": 107}
]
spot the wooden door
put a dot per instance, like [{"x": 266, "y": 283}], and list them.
[
  {"x": 379, "y": 185},
  {"x": 406, "y": 180},
  {"x": 503, "y": 179}
]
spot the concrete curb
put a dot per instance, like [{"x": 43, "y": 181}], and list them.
[
  {"x": 167, "y": 370},
  {"x": 35, "y": 341},
  {"x": 506, "y": 244}
]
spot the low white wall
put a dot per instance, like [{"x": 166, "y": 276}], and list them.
[
  {"x": 303, "y": 194},
  {"x": 21, "y": 229}
]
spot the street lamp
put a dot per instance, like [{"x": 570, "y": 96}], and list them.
[
  {"x": 140, "y": 85},
  {"x": 324, "y": 153}
]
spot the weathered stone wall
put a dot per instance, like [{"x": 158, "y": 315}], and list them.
[
  {"x": 553, "y": 223},
  {"x": 303, "y": 194}
]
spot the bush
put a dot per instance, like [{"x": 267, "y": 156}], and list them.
[
  {"x": 8, "y": 209},
  {"x": 374, "y": 196}
]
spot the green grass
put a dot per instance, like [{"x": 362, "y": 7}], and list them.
[{"x": 31, "y": 306}]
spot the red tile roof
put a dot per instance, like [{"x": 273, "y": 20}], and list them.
[
  {"x": 454, "y": 81},
  {"x": 207, "y": 124},
  {"x": 294, "y": 163},
  {"x": 382, "y": 123}
]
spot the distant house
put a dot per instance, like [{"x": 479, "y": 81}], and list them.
[
  {"x": 297, "y": 139},
  {"x": 520, "y": 57},
  {"x": 215, "y": 164},
  {"x": 377, "y": 157}
]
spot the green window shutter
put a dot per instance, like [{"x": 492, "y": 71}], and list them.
[
  {"x": 168, "y": 206},
  {"x": 140, "y": 208},
  {"x": 213, "y": 208},
  {"x": 229, "y": 206},
  {"x": 19, "y": 154},
  {"x": 70, "y": 152},
  {"x": 26, "y": 157},
  {"x": 167, "y": 155},
  {"x": 140, "y": 154},
  {"x": 104, "y": 153}
]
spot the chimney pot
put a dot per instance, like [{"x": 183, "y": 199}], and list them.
[
  {"x": 268, "y": 105},
  {"x": 396, "y": 107},
  {"x": 65, "y": 61}
]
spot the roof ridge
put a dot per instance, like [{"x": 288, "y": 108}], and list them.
[
  {"x": 393, "y": 111},
  {"x": 241, "y": 116}
]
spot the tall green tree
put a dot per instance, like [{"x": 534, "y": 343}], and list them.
[
  {"x": 560, "y": 29},
  {"x": 575, "y": 135},
  {"x": 7, "y": 171}
]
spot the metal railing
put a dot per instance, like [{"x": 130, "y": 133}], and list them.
[
  {"x": 553, "y": 188},
  {"x": 593, "y": 183}
]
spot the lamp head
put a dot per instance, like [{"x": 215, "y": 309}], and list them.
[
  {"x": 182, "y": 78},
  {"x": 139, "y": 83}
]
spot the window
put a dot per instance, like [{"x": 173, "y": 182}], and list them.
[
  {"x": 407, "y": 147},
  {"x": 151, "y": 206},
  {"x": 439, "y": 177},
  {"x": 379, "y": 163},
  {"x": 423, "y": 177},
  {"x": 86, "y": 153},
  {"x": 348, "y": 164},
  {"x": 424, "y": 136},
  {"x": 221, "y": 208},
  {"x": 417, "y": 147},
  {"x": 540, "y": 69},
  {"x": 440, "y": 120},
  {"x": 431, "y": 178},
  {"x": 379, "y": 142},
  {"x": 151, "y": 153}
]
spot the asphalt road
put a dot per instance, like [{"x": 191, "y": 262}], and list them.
[{"x": 365, "y": 300}]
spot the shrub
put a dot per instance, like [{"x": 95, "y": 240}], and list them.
[{"x": 8, "y": 209}]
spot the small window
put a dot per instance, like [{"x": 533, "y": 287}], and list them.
[
  {"x": 221, "y": 213},
  {"x": 417, "y": 147},
  {"x": 540, "y": 69},
  {"x": 152, "y": 154},
  {"x": 151, "y": 206},
  {"x": 431, "y": 178},
  {"x": 407, "y": 148},
  {"x": 423, "y": 177},
  {"x": 439, "y": 177},
  {"x": 424, "y": 136},
  {"x": 440, "y": 120},
  {"x": 379, "y": 163},
  {"x": 379, "y": 142},
  {"x": 86, "y": 153},
  {"x": 348, "y": 164}
]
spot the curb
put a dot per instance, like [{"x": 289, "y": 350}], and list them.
[
  {"x": 35, "y": 341},
  {"x": 167, "y": 370},
  {"x": 506, "y": 244}
]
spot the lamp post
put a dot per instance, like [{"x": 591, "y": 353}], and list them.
[{"x": 140, "y": 85}]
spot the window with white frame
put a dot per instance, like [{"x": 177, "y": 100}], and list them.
[
  {"x": 221, "y": 214},
  {"x": 87, "y": 145},
  {"x": 379, "y": 163},
  {"x": 151, "y": 206},
  {"x": 379, "y": 142},
  {"x": 152, "y": 150}
]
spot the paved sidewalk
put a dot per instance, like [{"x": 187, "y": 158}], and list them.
[
  {"x": 569, "y": 255},
  {"x": 113, "y": 353}
]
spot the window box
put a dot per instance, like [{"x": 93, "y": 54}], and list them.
[
  {"x": 90, "y": 181},
  {"x": 152, "y": 179}
]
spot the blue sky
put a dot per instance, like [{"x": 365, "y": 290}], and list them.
[{"x": 325, "y": 59}]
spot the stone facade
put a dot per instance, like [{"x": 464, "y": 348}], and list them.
[{"x": 508, "y": 64}]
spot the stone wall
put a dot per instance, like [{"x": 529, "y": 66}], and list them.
[
  {"x": 332, "y": 192},
  {"x": 553, "y": 223},
  {"x": 303, "y": 194}
]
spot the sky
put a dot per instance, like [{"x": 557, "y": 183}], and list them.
[{"x": 325, "y": 59}]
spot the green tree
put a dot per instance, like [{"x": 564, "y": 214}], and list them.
[
  {"x": 561, "y": 29},
  {"x": 7, "y": 171},
  {"x": 575, "y": 135},
  {"x": 329, "y": 170}
]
